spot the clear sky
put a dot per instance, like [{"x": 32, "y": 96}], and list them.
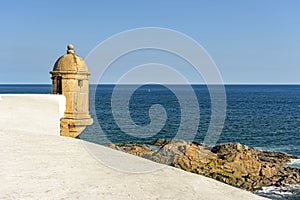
[{"x": 255, "y": 41}]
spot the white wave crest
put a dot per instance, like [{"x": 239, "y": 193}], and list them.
[
  {"x": 294, "y": 163},
  {"x": 282, "y": 191}
]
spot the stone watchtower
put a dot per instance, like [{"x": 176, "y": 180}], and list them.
[{"x": 70, "y": 77}]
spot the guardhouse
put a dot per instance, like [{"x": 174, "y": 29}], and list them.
[{"x": 70, "y": 77}]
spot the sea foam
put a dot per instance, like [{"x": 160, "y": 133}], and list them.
[
  {"x": 294, "y": 163},
  {"x": 282, "y": 192}
]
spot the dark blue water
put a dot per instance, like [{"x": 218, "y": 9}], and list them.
[
  {"x": 265, "y": 117},
  {"x": 262, "y": 116}
]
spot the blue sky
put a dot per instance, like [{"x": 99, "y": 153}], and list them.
[{"x": 250, "y": 41}]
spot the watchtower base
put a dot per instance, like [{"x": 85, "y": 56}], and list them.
[{"x": 73, "y": 127}]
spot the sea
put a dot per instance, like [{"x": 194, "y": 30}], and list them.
[{"x": 265, "y": 117}]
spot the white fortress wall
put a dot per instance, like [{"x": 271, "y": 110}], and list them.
[{"x": 31, "y": 113}]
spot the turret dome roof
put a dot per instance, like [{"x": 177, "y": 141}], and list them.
[{"x": 70, "y": 62}]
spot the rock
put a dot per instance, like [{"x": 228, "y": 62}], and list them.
[
  {"x": 246, "y": 186},
  {"x": 232, "y": 163},
  {"x": 267, "y": 171},
  {"x": 135, "y": 149},
  {"x": 239, "y": 147},
  {"x": 161, "y": 142}
]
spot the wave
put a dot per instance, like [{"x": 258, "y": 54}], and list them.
[
  {"x": 282, "y": 192},
  {"x": 294, "y": 163}
]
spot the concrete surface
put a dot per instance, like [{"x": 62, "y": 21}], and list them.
[
  {"x": 54, "y": 167},
  {"x": 38, "y": 165},
  {"x": 31, "y": 113}
]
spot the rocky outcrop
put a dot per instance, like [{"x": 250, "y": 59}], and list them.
[{"x": 231, "y": 163}]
